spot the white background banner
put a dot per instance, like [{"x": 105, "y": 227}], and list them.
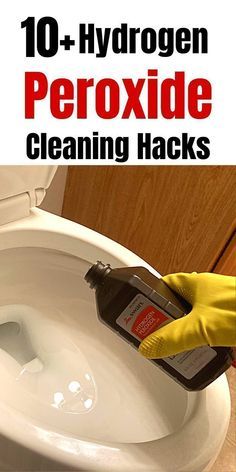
[{"x": 46, "y": 131}]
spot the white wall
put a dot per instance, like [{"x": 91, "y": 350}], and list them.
[{"x": 54, "y": 197}]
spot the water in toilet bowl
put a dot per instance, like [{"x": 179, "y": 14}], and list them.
[
  {"x": 14, "y": 341},
  {"x": 56, "y": 372},
  {"x": 82, "y": 379}
]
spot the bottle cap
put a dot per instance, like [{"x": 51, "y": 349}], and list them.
[{"x": 96, "y": 274}]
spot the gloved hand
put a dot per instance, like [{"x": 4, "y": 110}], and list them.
[{"x": 212, "y": 320}]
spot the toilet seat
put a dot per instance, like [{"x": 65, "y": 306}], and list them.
[
  {"x": 190, "y": 448},
  {"x": 21, "y": 190}
]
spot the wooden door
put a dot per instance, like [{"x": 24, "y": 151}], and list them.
[
  {"x": 226, "y": 263},
  {"x": 176, "y": 218}
]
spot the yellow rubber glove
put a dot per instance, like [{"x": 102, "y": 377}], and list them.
[{"x": 212, "y": 320}]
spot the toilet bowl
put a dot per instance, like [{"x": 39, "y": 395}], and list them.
[{"x": 73, "y": 394}]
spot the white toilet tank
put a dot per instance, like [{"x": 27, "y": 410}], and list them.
[{"x": 22, "y": 188}]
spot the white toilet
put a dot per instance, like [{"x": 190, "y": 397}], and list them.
[{"x": 74, "y": 395}]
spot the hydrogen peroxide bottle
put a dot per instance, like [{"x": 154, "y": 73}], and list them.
[{"x": 134, "y": 303}]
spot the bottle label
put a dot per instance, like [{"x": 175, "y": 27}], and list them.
[{"x": 141, "y": 317}]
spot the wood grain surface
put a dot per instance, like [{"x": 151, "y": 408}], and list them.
[
  {"x": 176, "y": 218},
  {"x": 226, "y": 263}
]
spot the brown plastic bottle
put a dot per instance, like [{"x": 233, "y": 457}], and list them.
[{"x": 134, "y": 303}]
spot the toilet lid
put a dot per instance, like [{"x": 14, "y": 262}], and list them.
[{"x": 22, "y": 188}]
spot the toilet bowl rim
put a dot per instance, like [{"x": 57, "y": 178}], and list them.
[{"x": 34, "y": 231}]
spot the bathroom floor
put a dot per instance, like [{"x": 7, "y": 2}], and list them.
[{"x": 226, "y": 461}]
